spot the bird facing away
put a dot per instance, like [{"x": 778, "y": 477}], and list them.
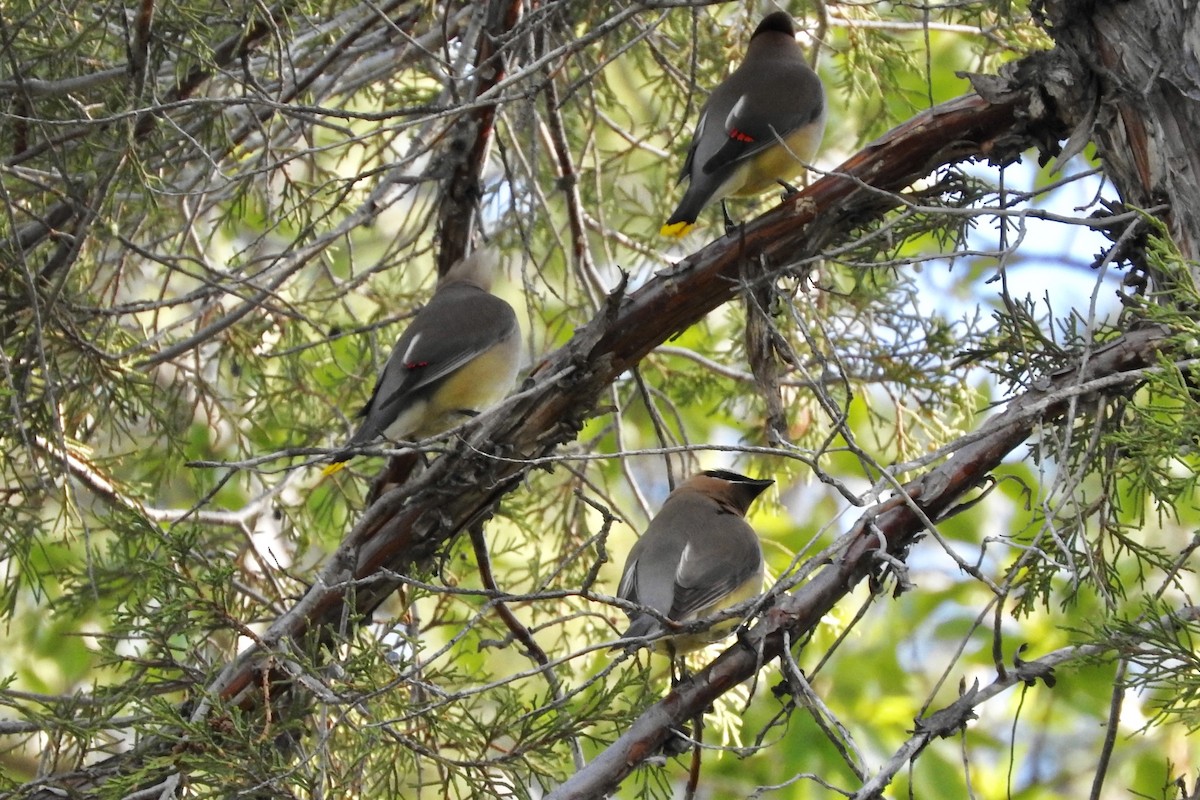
[
  {"x": 760, "y": 126},
  {"x": 697, "y": 557},
  {"x": 458, "y": 356}
]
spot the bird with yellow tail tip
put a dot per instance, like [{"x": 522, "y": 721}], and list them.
[
  {"x": 697, "y": 557},
  {"x": 459, "y": 355},
  {"x": 760, "y": 126}
]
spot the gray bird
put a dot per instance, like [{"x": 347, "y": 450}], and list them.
[
  {"x": 760, "y": 126},
  {"x": 698, "y": 556},
  {"x": 459, "y": 355}
]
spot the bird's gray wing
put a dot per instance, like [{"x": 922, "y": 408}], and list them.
[
  {"x": 708, "y": 573},
  {"x": 423, "y": 355},
  {"x": 420, "y": 360}
]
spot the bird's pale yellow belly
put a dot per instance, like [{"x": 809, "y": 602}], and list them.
[{"x": 477, "y": 385}]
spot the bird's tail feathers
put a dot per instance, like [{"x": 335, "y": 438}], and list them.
[
  {"x": 677, "y": 230},
  {"x": 333, "y": 469},
  {"x": 641, "y": 626},
  {"x": 688, "y": 211}
]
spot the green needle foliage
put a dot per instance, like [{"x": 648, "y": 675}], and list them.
[{"x": 217, "y": 218}]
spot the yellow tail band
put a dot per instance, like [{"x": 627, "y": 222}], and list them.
[
  {"x": 676, "y": 230},
  {"x": 333, "y": 468}
]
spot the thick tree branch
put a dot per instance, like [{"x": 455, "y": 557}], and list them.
[{"x": 1125, "y": 76}]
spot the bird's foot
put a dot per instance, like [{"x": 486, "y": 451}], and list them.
[
  {"x": 730, "y": 225},
  {"x": 678, "y": 742}
]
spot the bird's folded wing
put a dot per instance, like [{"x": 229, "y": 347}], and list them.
[
  {"x": 430, "y": 360},
  {"x": 749, "y": 132},
  {"x": 705, "y": 576}
]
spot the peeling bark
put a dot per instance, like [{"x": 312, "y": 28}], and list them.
[{"x": 1142, "y": 60}]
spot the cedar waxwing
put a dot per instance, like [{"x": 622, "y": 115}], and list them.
[
  {"x": 458, "y": 356},
  {"x": 759, "y": 126},
  {"x": 697, "y": 557}
]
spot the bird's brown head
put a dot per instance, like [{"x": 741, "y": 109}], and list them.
[
  {"x": 779, "y": 22},
  {"x": 730, "y": 488},
  {"x": 475, "y": 269}
]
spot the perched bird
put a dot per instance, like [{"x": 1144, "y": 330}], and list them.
[
  {"x": 759, "y": 126},
  {"x": 697, "y": 557},
  {"x": 458, "y": 356}
]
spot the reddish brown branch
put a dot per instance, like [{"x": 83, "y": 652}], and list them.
[{"x": 519, "y": 632}]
